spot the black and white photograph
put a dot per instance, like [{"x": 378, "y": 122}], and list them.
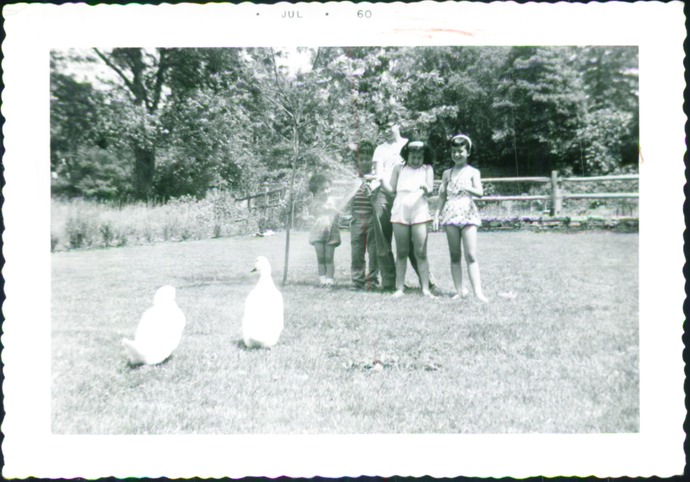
[{"x": 443, "y": 235}]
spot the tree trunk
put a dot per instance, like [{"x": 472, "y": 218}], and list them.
[
  {"x": 291, "y": 207},
  {"x": 144, "y": 166}
]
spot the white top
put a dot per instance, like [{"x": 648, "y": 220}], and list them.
[{"x": 386, "y": 157}]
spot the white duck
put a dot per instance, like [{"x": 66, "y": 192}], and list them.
[
  {"x": 263, "y": 310},
  {"x": 159, "y": 331}
]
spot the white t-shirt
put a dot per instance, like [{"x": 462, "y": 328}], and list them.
[{"x": 386, "y": 157}]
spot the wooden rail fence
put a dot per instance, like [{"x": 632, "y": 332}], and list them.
[
  {"x": 557, "y": 192},
  {"x": 268, "y": 198},
  {"x": 272, "y": 197}
]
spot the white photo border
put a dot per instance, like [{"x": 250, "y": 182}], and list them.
[{"x": 32, "y": 30}]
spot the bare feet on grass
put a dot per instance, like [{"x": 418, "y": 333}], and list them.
[
  {"x": 482, "y": 298},
  {"x": 463, "y": 294}
]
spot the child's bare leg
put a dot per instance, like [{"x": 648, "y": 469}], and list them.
[
  {"x": 455, "y": 248},
  {"x": 419, "y": 238},
  {"x": 329, "y": 263},
  {"x": 321, "y": 261},
  {"x": 402, "y": 244},
  {"x": 469, "y": 241}
]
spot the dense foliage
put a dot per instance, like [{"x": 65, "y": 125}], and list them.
[{"x": 172, "y": 122}]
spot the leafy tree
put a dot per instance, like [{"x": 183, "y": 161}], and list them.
[
  {"x": 81, "y": 163},
  {"x": 610, "y": 129},
  {"x": 448, "y": 90},
  {"x": 190, "y": 120},
  {"x": 143, "y": 74},
  {"x": 208, "y": 123},
  {"x": 543, "y": 102}
]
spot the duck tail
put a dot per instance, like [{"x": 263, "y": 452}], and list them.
[{"x": 133, "y": 354}]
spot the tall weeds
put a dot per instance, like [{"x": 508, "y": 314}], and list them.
[{"x": 77, "y": 223}]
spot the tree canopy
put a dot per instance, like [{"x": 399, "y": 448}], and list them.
[{"x": 181, "y": 121}]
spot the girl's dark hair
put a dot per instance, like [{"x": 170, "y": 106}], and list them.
[
  {"x": 317, "y": 183},
  {"x": 405, "y": 151},
  {"x": 462, "y": 139}
]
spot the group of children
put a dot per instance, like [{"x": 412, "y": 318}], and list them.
[{"x": 391, "y": 199}]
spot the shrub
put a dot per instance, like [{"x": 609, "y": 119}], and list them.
[
  {"x": 78, "y": 233},
  {"x": 106, "y": 233}
]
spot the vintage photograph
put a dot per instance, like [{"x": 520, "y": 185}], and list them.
[
  {"x": 336, "y": 239},
  {"x": 176, "y": 172}
]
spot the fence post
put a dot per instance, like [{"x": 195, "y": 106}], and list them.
[{"x": 555, "y": 195}]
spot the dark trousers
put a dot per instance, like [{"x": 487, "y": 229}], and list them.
[
  {"x": 363, "y": 241},
  {"x": 383, "y": 203}
]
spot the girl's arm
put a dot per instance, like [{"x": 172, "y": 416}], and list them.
[
  {"x": 393, "y": 184},
  {"x": 442, "y": 196},
  {"x": 428, "y": 186},
  {"x": 476, "y": 187},
  {"x": 442, "y": 192}
]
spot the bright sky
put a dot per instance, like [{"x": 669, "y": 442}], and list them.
[{"x": 295, "y": 61}]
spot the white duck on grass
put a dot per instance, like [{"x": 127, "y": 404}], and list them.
[
  {"x": 159, "y": 331},
  {"x": 263, "y": 310}
]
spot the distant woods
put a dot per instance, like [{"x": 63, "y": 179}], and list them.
[{"x": 138, "y": 123}]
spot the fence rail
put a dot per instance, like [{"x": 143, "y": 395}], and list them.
[
  {"x": 557, "y": 195},
  {"x": 620, "y": 177},
  {"x": 266, "y": 199},
  {"x": 273, "y": 197},
  {"x": 605, "y": 195}
]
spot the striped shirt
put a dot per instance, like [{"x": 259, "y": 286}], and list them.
[{"x": 361, "y": 203}]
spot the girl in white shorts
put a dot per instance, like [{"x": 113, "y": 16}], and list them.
[{"x": 412, "y": 183}]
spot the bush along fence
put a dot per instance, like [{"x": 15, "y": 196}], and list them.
[
  {"x": 562, "y": 202},
  {"x": 548, "y": 203}
]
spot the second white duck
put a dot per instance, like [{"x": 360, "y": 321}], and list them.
[{"x": 263, "y": 310}]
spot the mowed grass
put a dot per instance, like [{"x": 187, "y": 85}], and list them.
[{"x": 561, "y": 357}]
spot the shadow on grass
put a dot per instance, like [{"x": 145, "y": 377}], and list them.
[
  {"x": 338, "y": 287},
  {"x": 204, "y": 281},
  {"x": 240, "y": 344},
  {"x": 138, "y": 366}
]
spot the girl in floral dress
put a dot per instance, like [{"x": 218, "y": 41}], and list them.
[{"x": 458, "y": 213}]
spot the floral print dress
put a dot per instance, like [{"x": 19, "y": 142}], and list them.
[{"x": 460, "y": 209}]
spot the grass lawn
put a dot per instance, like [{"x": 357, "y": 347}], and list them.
[{"x": 561, "y": 357}]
